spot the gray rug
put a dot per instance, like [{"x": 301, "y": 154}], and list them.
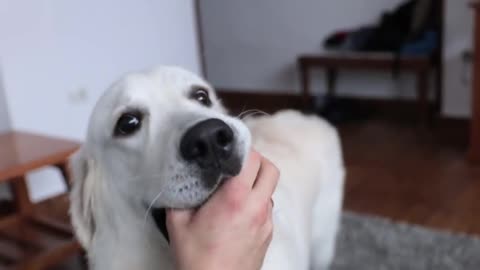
[{"x": 373, "y": 243}]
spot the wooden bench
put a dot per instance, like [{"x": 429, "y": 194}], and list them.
[
  {"x": 30, "y": 240},
  {"x": 421, "y": 66}
]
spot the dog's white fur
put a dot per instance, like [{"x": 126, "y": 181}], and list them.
[{"x": 115, "y": 178}]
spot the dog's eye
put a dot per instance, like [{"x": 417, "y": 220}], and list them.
[
  {"x": 201, "y": 95},
  {"x": 128, "y": 124}
]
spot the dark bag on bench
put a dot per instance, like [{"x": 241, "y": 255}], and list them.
[
  {"x": 392, "y": 31},
  {"x": 404, "y": 25}
]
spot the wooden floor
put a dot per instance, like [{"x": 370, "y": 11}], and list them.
[
  {"x": 408, "y": 174},
  {"x": 418, "y": 176}
]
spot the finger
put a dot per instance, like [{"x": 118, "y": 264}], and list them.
[
  {"x": 262, "y": 251},
  {"x": 232, "y": 194},
  {"x": 177, "y": 219},
  {"x": 250, "y": 169},
  {"x": 267, "y": 179},
  {"x": 267, "y": 234},
  {"x": 268, "y": 227}
]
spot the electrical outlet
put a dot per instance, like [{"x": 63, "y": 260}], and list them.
[
  {"x": 466, "y": 72},
  {"x": 467, "y": 56}
]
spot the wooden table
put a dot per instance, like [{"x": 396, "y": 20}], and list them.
[
  {"x": 28, "y": 239},
  {"x": 332, "y": 62}
]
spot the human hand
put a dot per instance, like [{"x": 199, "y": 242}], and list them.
[{"x": 234, "y": 228}]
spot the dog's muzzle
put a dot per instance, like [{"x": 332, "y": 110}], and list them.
[{"x": 210, "y": 145}]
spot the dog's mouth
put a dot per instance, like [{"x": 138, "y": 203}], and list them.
[{"x": 159, "y": 215}]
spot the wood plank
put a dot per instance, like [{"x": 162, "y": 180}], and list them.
[
  {"x": 35, "y": 235},
  {"x": 45, "y": 236},
  {"x": 23, "y": 152},
  {"x": 20, "y": 239},
  {"x": 13, "y": 252},
  {"x": 421, "y": 178},
  {"x": 52, "y": 257},
  {"x": 51, "y": 224},
  {"x": 9, "y": 221}
]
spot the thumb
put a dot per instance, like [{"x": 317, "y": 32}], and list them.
[{"x": 178, "y": 218}]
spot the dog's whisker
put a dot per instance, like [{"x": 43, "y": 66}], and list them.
[
  {"x": 149, "y": 209},
  {"x": 261, "y": 112},
  {"x": 243, "y": 113},
  {"x": 253, "y": 113},
  {"x": 243, "y": 109}
]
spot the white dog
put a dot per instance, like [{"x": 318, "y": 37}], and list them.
[{"x": 161, "y": 139}]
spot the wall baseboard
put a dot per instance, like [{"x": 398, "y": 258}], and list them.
[{"x": 238, "y": 101}]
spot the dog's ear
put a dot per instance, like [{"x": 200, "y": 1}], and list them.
[{"x": 82, "y": 197}]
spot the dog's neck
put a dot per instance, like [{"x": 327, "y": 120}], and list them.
[{"x": 125, "y": 233}]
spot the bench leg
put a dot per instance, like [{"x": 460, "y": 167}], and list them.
[
  {"x": 305, "y": 85},
  {"x": 422, "y": 97},
  {"x": 438, "y": 89},
  {"x": 331, "y": 82}
]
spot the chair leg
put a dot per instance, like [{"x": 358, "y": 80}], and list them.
[{"x": 21, "y": 197}]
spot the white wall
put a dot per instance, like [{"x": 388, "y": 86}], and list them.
[
  {"x": 4, "y": 117},
  {"x": 253, "y": 45},
  {"x": 458, "y": 37},
  {"x": 52, "y": 51}
]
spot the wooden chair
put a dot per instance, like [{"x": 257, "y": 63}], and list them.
[{"x": 30, "y": 240}]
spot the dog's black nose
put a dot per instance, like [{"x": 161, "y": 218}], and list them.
[{"x": 209, "y": 144}]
